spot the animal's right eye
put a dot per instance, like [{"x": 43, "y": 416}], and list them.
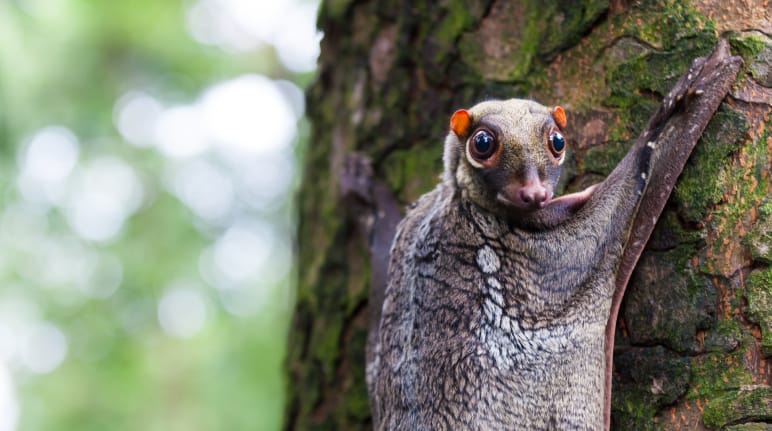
[
  {"x": 557, "y": 143},
  {"x": 482, "y": 145}
]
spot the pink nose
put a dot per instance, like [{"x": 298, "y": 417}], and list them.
[{"x": 533, "y": 194}]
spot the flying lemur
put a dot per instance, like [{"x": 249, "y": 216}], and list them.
[{"x": 500, "y": 300}]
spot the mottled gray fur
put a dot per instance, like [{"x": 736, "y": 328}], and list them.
[{"x": 490, "y": 325}]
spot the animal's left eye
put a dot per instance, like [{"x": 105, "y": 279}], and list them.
[{"x": 557, "y": 144}]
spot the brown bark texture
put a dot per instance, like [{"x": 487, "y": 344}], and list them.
[{"x": 694, "y": 336}]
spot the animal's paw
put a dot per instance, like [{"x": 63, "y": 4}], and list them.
[{"x": 356, "y": 178}]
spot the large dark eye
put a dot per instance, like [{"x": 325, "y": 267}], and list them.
[
  {"x": 483, "y": 145},
  {"x": 557, "y": 144}
]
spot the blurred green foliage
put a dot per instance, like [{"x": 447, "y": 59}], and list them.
[{"x": 66, "y": 62}]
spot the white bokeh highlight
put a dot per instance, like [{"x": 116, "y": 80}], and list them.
[
  {"x": 9, "y": 406},
  {"x": 246, "y": 265},
  {"x": 135, "y": 116},
  {"x": 298, "y": 44},
  {"x": 242, "y": 25},
  {"x": 45, "y": 163},
  {"x": 204, "y": 187},
  {"x": 242, "y": 251},
  {"x": 101, "y": 275},
  {"x": 268, "y": 181},
  {"x": 43, "y": 348},
  {"x": 105, "y": 193},
  {"x": 182, "y": 311},
  {"x": 179, "y": 132},
  {"x": 64, "y": 258},
  {"x": 248, "y": 114}
]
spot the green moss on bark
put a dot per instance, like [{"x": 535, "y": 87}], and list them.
[
  {"x": 759, "y": 296},
  {"x": 410, "y": 174},
  {"x": 725, "y": 337},
  {"x": 603, "y": 159},
  {"x": 513, "y": 35},
  {"x": 760, "y": 238},
  {"x": 745, "y": 189},
  {"x": 754, "y": 426},
  {"x": 704, "y": 180},
  {"x": 716, "y": 373},
  {"x": 751, "y": 404},
  {"x": 751, "y": 48}
]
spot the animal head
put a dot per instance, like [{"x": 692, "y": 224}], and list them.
[{"x": 506, "y": 156}]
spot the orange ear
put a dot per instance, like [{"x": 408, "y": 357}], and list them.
[
  {"x": 559, "y": 115},
  {"x": 460, "y": 121}
]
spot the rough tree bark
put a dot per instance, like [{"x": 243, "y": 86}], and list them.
[{"x": 695, "y": 332}]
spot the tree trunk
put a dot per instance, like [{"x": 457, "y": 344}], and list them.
[{"x": 695, "y": 331}]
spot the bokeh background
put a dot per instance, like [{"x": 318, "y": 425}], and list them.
[{"x": 150, "y": 151}]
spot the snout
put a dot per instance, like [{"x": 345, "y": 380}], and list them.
[{"x": 531, "y": 195}]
